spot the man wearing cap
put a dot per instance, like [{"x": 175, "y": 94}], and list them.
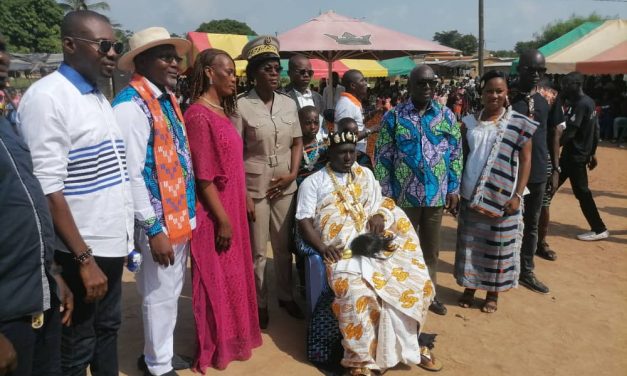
[
  {"x": 79, "y": 158},
  {"x": 162, "y": 184},
  {"x": 272, "y": 152}
]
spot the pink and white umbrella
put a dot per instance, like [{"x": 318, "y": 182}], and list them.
[{"x": 331, "y": 37}]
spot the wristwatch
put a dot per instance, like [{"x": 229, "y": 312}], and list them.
[{"x": 558, "y": 169}]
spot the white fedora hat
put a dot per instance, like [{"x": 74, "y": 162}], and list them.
[{"x": 148, "y": 38}]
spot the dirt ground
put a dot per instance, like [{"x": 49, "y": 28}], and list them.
[{"x": 580, "y": 328}]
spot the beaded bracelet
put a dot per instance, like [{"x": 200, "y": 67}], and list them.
[{"x": 83, "y": 256}]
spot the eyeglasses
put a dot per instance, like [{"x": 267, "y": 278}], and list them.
[
  {"x": 424, "y": 83},
  {"x": 302, "y": 72},
  {"x": 532, "y": 70},
  {"x": 104, "y": 46},
  {"x": 170, "y": 58},
  {"x": 270, "y": 68}
]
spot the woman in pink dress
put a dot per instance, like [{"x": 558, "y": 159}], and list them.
[{"x": 224, "y": 298}]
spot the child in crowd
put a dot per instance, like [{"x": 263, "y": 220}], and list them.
[{"x": 314, "y": 150}]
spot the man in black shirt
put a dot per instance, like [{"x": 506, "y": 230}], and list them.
[
  {"x": 531, "y": 103},
  {"x": 31, "y": 292},
  {"x": 579, "y": 143}
]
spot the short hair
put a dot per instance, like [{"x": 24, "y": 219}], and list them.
[
  {"x": 575, "y": 77},
  {"x": 490, "y": 75},
  {"x": 350, "y": 77},
  {"x": 307, "y": 110},
  {"x": 343, "y": 123},
  {"x": 72, "y": 22},
  {"x": 292, "y": 61}
]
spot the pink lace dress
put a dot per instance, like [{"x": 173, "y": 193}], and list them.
[{"x": 224, "y": 298}]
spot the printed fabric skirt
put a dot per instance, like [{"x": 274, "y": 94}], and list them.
[{"x": 487, "y": 256}]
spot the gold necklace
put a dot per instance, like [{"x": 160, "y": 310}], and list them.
[
  {"x": 211, "y": 104},
  {"x": 355, "y": 209}
]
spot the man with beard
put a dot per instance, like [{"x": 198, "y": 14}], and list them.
[{"x": 78, "y": 155}]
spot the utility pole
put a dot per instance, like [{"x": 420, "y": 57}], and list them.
[{"x": 481, "y": 42}]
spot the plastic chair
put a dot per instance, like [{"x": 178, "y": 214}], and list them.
[{"x": 315, "y": 272}]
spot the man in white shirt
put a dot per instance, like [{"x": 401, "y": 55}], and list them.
[
  {"x": 79, "y": 159},
  {"x": 331, "y": 93},
  {"x": 151, "y": 122},
  {"x": 349, "y": 104},
  {"x": 300, "y": 72}
]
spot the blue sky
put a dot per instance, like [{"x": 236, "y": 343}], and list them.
[{"x": 506, "y": 21}]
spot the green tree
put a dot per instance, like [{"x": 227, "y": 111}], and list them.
[
  {"x": 226, "y": 26},
  {"x": 31, "y": 25},
  {"x": 467, "y": 43},
  {"x": 504, "y": 53},
  {"x": 70, "y": 5},
  {"x": 523, "y": 46}
]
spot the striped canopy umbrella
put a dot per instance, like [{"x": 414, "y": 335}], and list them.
[
  {"x": 233, "y": 45},
  {"x": 591, "y": 48}
]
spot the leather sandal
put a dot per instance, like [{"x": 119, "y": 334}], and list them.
[{"x": 428, "y": 361}]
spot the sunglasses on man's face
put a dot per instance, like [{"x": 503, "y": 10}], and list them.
[
  {"x": 170, "y": 58},
  {"x": 532, "y": 70},
  {"x": 271, "y": 68},
  {"x": 104, "y": 46},
  {"x": 302, "y": 72},
  {"x": 424, "y": 83}
]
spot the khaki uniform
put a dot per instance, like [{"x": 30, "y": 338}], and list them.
[{"x": 268, "y": 138}]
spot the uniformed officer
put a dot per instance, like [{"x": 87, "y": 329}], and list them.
[{"x": 272, "y": 153}]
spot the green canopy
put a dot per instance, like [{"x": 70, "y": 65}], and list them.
[{"x": 563, "y": 41}]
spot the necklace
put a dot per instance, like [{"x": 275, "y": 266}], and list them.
[
  {"x": 310, "y": 163},
  {"x": 352, "y": 205},
  {"x": 503, "y": 111},
  {"x": 211, "y": 104}
]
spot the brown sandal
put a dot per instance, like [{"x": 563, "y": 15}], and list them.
[{"x": 428, "y": 361}]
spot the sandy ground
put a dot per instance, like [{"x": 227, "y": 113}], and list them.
[{"x": 580, "y": 328}]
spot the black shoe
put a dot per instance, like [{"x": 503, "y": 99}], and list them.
[
  {"x": 292, "y": 309},
  {"x": 263, "y": 317},
  {"x": 531, "y": 282},
  {"x": 179, "y": 362},
  {"x": 545, "y": 252},
  {"x": 438, "y": 308}
]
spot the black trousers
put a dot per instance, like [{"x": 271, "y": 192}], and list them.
[
  {"x": 92, "y": 338},
  {"x": 38, "y": 350},
  {"x": 531, "y": 217},
  {"x": 578, "y": 174}
]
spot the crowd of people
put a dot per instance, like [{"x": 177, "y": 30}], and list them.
[{"x": 87, "y": 184}]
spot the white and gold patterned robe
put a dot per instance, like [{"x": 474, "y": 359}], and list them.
[{"x": 380, "y": 303}]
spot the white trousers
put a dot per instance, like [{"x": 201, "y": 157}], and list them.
[{"x": 160, "y": 289}]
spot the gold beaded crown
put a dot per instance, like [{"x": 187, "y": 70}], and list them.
[
  {"x": 264, "y": 44},
  {"x": 345, "y": 137}
]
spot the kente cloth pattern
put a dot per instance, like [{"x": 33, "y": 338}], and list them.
[
  {"x": 487, "y": 255},
  {"x": 497, "y": 182},
  {"x": 379, "y": 302},
  {"x": 316, "y": 153},
  {"x": 418, "y": 158},
  {"x": 224, "y": 298},
  {"x": 155, "y": 225}
]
